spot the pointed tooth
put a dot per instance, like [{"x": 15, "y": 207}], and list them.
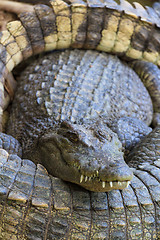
[
  {"x": 111, "y": 184},
  {"x": 128, "y": 182},
  {"x": 86, "y": 178},
  {"x": 81, "y": 178},
  {"x": 97, "y": 172},
  {"x": 89, "y": 179},
  {"x": 103, "y": 184},
  {"x": 119, "y": 183}
]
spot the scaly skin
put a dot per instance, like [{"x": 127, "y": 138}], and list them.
[
  {"x": 145, "y": 229},
  {"x": 37, "y": 205},
  {"x": 61, "y": 110},
  {"x": 120, "y": 29}
]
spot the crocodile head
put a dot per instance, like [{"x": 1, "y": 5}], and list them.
[{"x": 90, "y": 156}]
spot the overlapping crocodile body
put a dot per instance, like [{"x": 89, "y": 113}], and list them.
[
  {"x": 61, "y": 111},
  {"x": 78, "y": 85},
  {"x": 37, "y": 205},
  {"x": 149, "y": 74},
  {"x": 125, "y": 30}
]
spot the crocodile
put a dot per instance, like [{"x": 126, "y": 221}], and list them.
[
  {"x": 41, "y": 206},
  {"x": 35, "y": 205},
  {"x": 129, "y": 31},
  {"x": 121, "y": 229},
  {"x": 63, "y": 114},
  {"x": 146, "y": 169}
]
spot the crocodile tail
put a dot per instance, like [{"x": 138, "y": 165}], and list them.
[{"x": 102, "y": 26}]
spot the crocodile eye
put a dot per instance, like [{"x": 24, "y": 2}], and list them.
[
  {"x": 68, "y": 131},
  {"x": 103, "y": 136},
  {"x": 71, "y": 136},
  {"x": 99, "y": 134}
]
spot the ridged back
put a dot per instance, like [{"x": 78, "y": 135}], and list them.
[
  {"x": 91, "y": 84},
  {"x": 76, "y": 86}
]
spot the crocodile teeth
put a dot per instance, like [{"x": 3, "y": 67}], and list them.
[
  {"x": 128, "y": 182},
  {"x": 89, "y": 179},
  {"x": 111, "y": 184},
  {"x": 103, "y": 184},
  {"x": 97, "y": 172},
  {"x": 81, "y": 178},
  {"x": 86, "y": 179},
  {"x": 119, "y": 183}
]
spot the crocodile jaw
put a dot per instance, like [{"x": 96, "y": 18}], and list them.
[{"x": 116, "y": 179}]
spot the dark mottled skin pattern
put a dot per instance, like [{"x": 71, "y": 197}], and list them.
[{"x": 61, "y": 112}]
